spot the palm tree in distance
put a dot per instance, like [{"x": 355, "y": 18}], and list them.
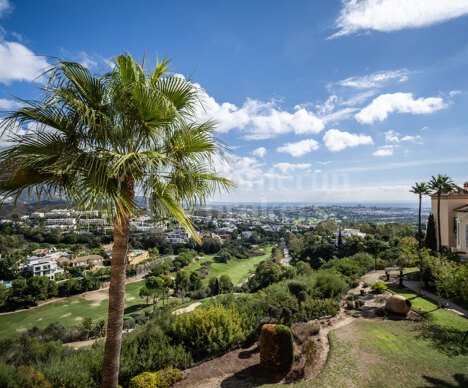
[
  {"x": 420, "y": 189},
  {"x": 439, "y": 185},
  {"x": 102, "y": 140}
]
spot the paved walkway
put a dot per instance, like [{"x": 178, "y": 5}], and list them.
[{"x": 449, "y": 305}]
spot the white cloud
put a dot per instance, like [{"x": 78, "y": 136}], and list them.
[
  {"x": 413, "y": 139},
  {"x": 317, "y": 171},
  {"x": 375, "y": 80},
  {"x": 260, "y": 152},
  {"x": 324, "y": 163},
  {"x": 336, "y": 140},
  {"x": 258, "y": 119},
  {"x": 300, "y": 148},
  {"x": 394, "y": 15},
  {"x": 392, "y": 136},
  {"x": 5, "y": 6},
  {"x": 9, "y": 104},
  {"x": 386, "y": 150},
  {"x": 85, "y": 60},
  {"x": 245, "y": 171},
  {"x": 384, "y": 104},
  {"x": 18, "y": 63},
  {"x": 288, "y": 167}
]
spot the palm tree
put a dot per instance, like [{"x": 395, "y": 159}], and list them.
[
  {"x": 441, "y": 184},
  {"x": 420, "y": 189},
  {"x": 101, "y": 140}
]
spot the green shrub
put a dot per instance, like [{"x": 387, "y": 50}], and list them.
[
  {"x": 358, "y": 303},
  {"x": 276, "y": 347},
  {"x": 31, "y": 378},
  {"x": 161, "y": 379},
  {"x": 209, "y": 330},
  {"x": 378, "y": 287},
  {"x": 330, "y": 284},
  {"x": 285, "y": 343}
]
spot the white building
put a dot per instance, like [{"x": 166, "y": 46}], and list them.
[
  {"x": 177, "y": 236},
  {"x": 42, "y": 266}
]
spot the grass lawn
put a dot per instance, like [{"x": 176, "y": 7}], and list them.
[
  {"x": 237, "y": 269},
  {"x": 71, "y": 311},
  {"x": 391, "y": 354},
  {"x": 428, "y": 309}
]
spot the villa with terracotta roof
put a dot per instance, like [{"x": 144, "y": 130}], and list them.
[{"x": 453, "y": 219}]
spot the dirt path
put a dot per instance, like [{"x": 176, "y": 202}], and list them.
[{"x": 187, "y": 309}]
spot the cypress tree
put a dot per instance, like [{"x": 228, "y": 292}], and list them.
[{"x": 431, "y": 240}]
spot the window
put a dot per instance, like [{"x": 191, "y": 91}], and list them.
[{"x": 466, "y": 236}]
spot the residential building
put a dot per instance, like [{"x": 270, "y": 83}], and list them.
[
  {"x": 453, "y": 219},
  {"x": 177, "y": 236},
  {"x": 97, "y": 261},
  {"x": 42, "y": 266}
]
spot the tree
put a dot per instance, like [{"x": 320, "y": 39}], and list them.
[
  {"x": 108, "y": 135},
  {"x": 182, "y": 282},
  {"x": 223, "y": 256},
  {"x": 37, "y": 287},
  {"x": 420, "y": 189},
  {"x": 225, "y": 284},
  {"x": 195, "y": 280},
  {"x": 155, "y": 285},
  {"x": 441, "y": 184},
  {"x": 145, "y": 292},
  {"x": 299, "y": 290},
  {"x": 431, "y": 240}
]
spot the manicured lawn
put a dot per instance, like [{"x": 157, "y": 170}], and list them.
[
  {"x": 237, "y": 269},
  {"x": 391, "y": 354},
  {"x": 428, "y": 309},
  {"x": 71, "y": 311}
]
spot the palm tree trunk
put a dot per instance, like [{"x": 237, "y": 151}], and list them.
[
  {"x": 420, "y": 246},
  {"x": 439, "y": 242},
  {"x": 111, "y": 364},
  {"x": 110, "y": 367}
]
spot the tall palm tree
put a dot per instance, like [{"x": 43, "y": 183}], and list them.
[
  {"x": 420, "y": 189},
  {"x": 439, "y": 185},
  {"x": 102, "y": 140}
]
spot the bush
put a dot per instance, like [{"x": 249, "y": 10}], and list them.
[
  {"x": 330, "y": 284},
  {"x": 359, "y": 303},
  {"x": 378, "y": 287},
  {"x": 31, "y": 378},
  {"x": 161, "y": 379},
  {"x": 276, "y": 347},
  {"x": 209, "y": 330}
]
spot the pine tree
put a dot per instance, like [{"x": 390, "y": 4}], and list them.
[{"x": 431, "y": 240}]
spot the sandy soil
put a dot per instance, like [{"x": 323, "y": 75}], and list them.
[{"x": 187, "y": 309}]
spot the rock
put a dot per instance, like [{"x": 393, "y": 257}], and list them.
[
  {"x": 398, "y": 304},
  {"x": 303, "y": 331}
]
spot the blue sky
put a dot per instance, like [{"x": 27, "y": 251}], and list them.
[{"x": 320, "y": 101}]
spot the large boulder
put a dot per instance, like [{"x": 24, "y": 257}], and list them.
[{"x": 398, "y": 304}]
